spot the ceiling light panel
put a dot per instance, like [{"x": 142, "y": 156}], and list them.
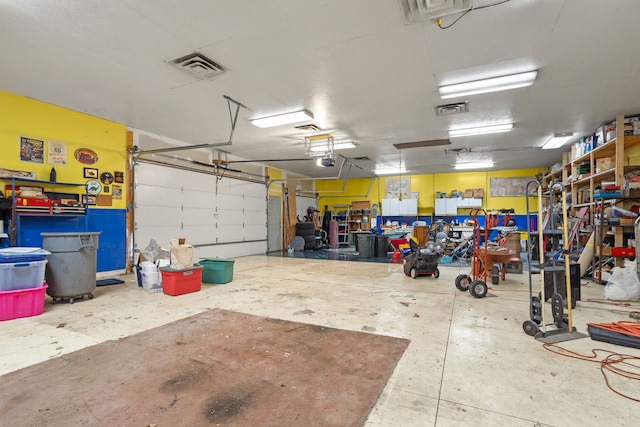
[
  {"x": 390, "y": 171},
  {"x": 494, "y": 84},
  {"x": 336, "y": 146},
  {"x": 474, "y": 165},
  {"x": 283, "y": 119},
  {"x": 557, "y": 141},
  {"x": 481, "y": 130}
]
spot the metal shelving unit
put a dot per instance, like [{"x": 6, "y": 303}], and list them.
[{"x": 17, "y": 216}]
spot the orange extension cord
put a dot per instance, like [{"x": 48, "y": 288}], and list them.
[
  {"x": 624, "y": 365},
  {"x": 629, "y": 328}
]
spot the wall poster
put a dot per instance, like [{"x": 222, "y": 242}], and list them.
[
  {"x": 57, "y": 153},
  {"x": 31, "y": 150},
  {"x": 116, "y": 192},
  {"x": 397, "y": 187},
  {"x": 509, "y": 187}
]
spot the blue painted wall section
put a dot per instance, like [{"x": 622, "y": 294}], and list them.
[
  {"x": 110, "y": 223},
  {"x": 521, "y": 220}
]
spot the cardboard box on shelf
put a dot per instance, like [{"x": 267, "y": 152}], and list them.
[
  {"x": 478, "y": 192},
  {"x": 604, "y": 164},
  {"x": 468, "y": 193}
]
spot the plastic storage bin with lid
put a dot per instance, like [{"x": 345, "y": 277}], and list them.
[
  {"x": 22, "y": 268},
  {"x": 217, "y": 270},
  {"x": 22, "y": 288}
]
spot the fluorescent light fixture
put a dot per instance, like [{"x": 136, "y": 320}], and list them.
[
  {"x": 557, "y": 141},
  {"x": 336, "y": 146},
  {"x": 390, "y": 171},
  {"x": 484, "y": 164},
  {"x": 481, "y": 130},
  {"x": 283, "y": 119},
  {"x": 494, "y": 84}
]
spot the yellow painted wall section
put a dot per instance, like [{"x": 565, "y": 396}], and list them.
[
  {"x": 424, "y": 186},
  {"x": 427, "y": 185},
  {"x": 24, "y": 117},
  {"x": 357, "y": 189},
  {"x": 275, "y": 189},
  {"x": 632, "y": 156}
]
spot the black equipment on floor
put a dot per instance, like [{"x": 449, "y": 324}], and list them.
[{"x": 422, "y": 261}]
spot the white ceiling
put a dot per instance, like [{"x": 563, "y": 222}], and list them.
[{"x": 357, "y": 65}]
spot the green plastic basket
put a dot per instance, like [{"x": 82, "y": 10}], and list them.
[{"x": 216, "y": 270}]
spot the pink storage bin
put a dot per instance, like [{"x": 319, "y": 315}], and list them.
[{"x": 22, "y": 303}]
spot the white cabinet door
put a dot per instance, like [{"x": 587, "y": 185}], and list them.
[
  {"x": 409, "y": 207},
  {"x": 470, "y": 202},
  {"x": 390, "y": 207},
  {"x": 446, "y": 206},
  {"x": 395, "y": 207},
  {"x": 452, "y": 206}
]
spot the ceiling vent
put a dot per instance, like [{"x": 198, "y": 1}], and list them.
[
  {"x": 421, "y": 144},
  {"x": 449, "y": 109},
  {"x": 198, "y": 65},
  {"x": 308, "y": 128},
  {"x": 423, "y": 10}
]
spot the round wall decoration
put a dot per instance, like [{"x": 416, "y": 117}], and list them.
[
  {"x": 86, "y": 156},
  {"x": 93, "y": 187},
  {"x": 106, "y": 178}
]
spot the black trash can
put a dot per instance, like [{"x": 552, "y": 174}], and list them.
[{"x": 382, "y": 246}]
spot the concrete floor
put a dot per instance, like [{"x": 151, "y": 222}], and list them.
[{"x": 468, "y": 363}]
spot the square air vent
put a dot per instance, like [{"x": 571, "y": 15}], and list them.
[
  {"x": 308, "y": 128},
  {"x": 423, "y": 10},
  {"x": 448, "y": 109},
  {"x": 198, "y": 65}
]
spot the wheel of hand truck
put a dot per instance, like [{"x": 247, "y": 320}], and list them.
[
  {"x": 573, "y": 303},
  {"x": 478, "y": 289},
  {"x": 414, "y": 273},
  {"x": 436, "y": 274},
  {"x": 495, "y": 274},
  {"x": 462, "y": 282},
  {"x": 529, "y": 327}
]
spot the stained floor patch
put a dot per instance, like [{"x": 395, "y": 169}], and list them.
[{"x": 217, "y": 367}]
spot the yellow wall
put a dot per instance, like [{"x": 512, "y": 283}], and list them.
[
  {"x": 275, "y": 189},
  {"x": 426, "y": 185},
  {"x": 24, "y": 117},
  {"x": 330, "y": 192}
]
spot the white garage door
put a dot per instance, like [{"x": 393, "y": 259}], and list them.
[{"x": 226, "y": 219}]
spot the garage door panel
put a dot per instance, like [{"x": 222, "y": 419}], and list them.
[
  {"x": 200, "y": 199},
  {"x": 169, "y": 217},
  {"x": 248, "y": 189},
  {"x": 156, "y": 196},
  {"x": 157, "y": 175},
  {"x": 196, "y": 216},
  {"x": 172, "y": 203},
  {"x": 199, "y": 234},
  {"x": 231, "y": 233},
  {"x": 229, "y": 218},
  {"x": 204, "y": 184},
  {"x": 231, "y": 250},
  {"x": 254, "y": 232},
  {"x": 255, "y": 217}
]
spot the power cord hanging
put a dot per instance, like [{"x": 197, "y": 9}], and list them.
[{"x": 439, "y": 20}]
